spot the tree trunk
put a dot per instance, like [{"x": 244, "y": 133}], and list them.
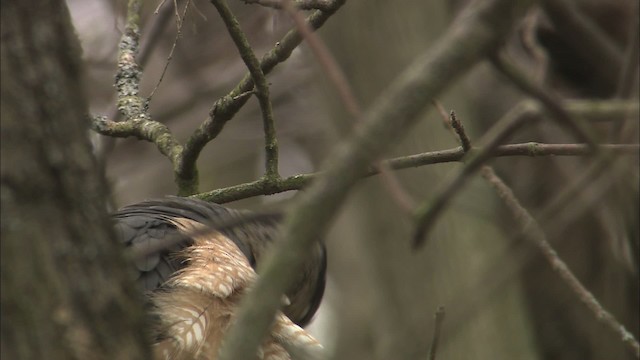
[{"x": 65, "y": 289}]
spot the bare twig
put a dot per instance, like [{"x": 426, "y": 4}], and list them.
[
  {"x": 297, "y": 182},
  {"x": 481, "y": 28},
  {"x": 535, "y": 233},
  {"x": 153, "y": 32},
  {"x": 262, "y": 88},
  {"x": 427, "y": 214},
  {"x": 173, "y": 47},
  {"x": 300, "y": 4},
  {"x": 226, "y": 107},
  {"x": 459, "y": 129},
  {"x": 159, "y": 134},
  {"x": 532, "y": 230},
  {"x": 436, "y": 333},
  {"x": 518, "y": 255}
]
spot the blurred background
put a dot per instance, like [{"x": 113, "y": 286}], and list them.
[{"x": 501, "y": 298}]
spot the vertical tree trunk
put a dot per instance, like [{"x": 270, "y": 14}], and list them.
[{"x": 65, "y": 292}]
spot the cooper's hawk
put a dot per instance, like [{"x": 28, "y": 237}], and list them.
[{"x": 195, "y": 260}]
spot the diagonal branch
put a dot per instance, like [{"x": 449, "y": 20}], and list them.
[
  {"x": 226, "y": 107},
  {"x": 535, "y": 233},
  {"x": 477, "y": 32},
  {"x": 324, "y": 5},
  {"x": 262, "y": 88},
  {"x": 427, "y": 214},
  {"x": 532, "y": 230}
]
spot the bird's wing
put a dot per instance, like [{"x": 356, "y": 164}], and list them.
[{"x": 147, "y": 228}]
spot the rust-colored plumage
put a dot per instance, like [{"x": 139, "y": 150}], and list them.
[{"x": 196, "y": 284}]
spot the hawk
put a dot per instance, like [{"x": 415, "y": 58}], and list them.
[{"x": 195, "y": 260}]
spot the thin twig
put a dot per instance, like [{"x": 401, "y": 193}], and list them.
[
  {"x": 297, "y": 182},
  {"x": 439, "y": 319},
  {"x": 517, "y": 256},
  {"x": 262, "y": 88},
  {"x": 535, "y": 233},
  {"x": 226, "y": 107},
  {"x": 173, "y": 48},
  {"x": 177, "y": 14},
  {"x": 583, "y": 110},
  {"x": 153, "y": 32},
  {"x": 428, "y": 213},
  {"x": 300, "y": 4},
  {"x": 459, "y": 129},
  {"x": 532, "y": 230}
]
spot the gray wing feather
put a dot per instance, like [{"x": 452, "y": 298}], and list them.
[{"x": 147, "y": 224}]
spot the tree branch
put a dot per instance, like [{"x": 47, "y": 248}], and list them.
[
  {"x": 262, "y": 88},
  {"x": 324, "y": 5},
  {"x": 129, "y": 74},
  {"x": 439, "y": 319},
  {"x": 143, "y": 129},
  {"x": 534, "y": 232},
  {"x": 226, "y": 107},
  {"x": 297, "y": 182},
  {"x": 427, "y": 214},
  {"x": 479, "y": 30}
]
